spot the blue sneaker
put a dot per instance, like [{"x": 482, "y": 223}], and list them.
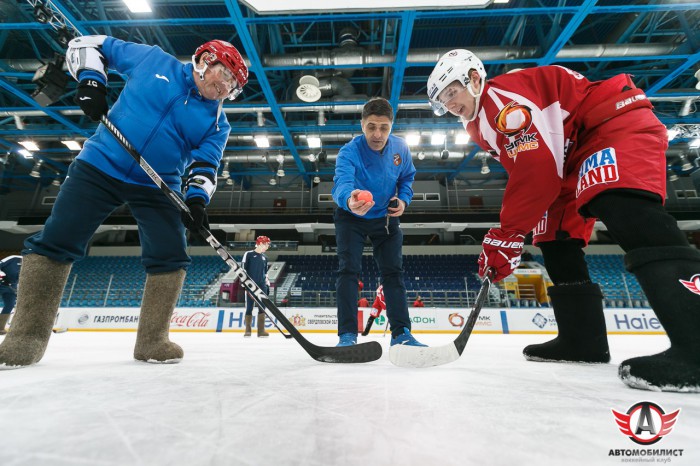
[
  {"x": 405, "y": 339},
  {"x": 347, "y": 339}
]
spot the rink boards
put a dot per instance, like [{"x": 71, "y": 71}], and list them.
[{"x": 324, "y": 320}]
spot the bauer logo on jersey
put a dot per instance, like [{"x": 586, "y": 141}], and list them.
[
  {"x": 693, "y": 284},
  {"x": 541, "y": 227},
  {"x": 397, "y": 159},
  {"x": 599, "y": 168}
]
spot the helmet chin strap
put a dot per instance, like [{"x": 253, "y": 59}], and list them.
[
  {"x": 476, "y": 96},
  {"x": 201, "y": 71}
]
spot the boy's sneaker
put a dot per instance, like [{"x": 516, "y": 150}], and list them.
[
  {"x": 347, "y": 339},
  {"x": 405, "y": 339}
]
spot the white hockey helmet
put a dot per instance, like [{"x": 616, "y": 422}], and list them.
[{"x": 453, "y": 66}]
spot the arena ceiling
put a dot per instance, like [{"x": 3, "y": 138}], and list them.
[{"x": 346, "y": 56}]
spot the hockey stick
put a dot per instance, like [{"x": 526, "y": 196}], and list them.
[
  {"x": 364, "y": 352},
  {"x": 386, "y": 327},
  {"x": 285, "y": 335},
  {"x": 370, "y": 321},
  {"x": 427, "y": 356}
]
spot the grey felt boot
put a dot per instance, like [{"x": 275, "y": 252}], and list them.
[
  {"x": 3, "y": 322},
  {"x": 261, "y": 325},
  {"x": 248, "y": 324},
  {"x": 41, "y": 285},
  {"x": 159, "y": 298},
  {"x": 581, "y": 322}
]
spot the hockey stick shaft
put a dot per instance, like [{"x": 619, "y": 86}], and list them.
[
  {"x": 364, "y": 352},
  {"x": 466, "y": 332}
]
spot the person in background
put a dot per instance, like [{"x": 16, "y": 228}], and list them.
[
  {"x": 172, "y": 114},
  {"x": 9, "y": 276},
  {"x": 377, "y": 307},
  {"x": 576, "y": 151},
  {"x": 255, "y": 264},
  {"x": 418, "y": 302},
  {"x": 380, "y": 163}
]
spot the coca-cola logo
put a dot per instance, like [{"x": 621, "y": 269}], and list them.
[{"x": 196, "y": 319}]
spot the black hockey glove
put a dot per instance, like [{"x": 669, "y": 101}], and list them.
[
  {"x": 92, "y": 98},
  {"x": 199, "y": 215}
]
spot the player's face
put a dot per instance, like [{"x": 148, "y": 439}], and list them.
[
  {"x": 218, "y": 82},
  {"x": 377, "y": 130},
  {"x": 457, "y": 100}
]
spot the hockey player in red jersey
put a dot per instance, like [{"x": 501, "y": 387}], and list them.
[
  {"x": 377, "y": 307},
  {"x": 577, "y": 150}
]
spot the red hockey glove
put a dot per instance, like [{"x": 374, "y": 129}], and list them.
[{"x": 502, "y": 250}]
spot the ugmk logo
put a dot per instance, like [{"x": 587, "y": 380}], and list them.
[{"x": 650, "y": 421}]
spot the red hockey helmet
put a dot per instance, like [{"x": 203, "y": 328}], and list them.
[
  {"x": 262, "y": 240},
  {"x": 226, "y": 54},
  {"x": 360, "y": 285}
]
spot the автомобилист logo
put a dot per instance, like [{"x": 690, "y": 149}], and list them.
[{"x": 645, "y": 423}]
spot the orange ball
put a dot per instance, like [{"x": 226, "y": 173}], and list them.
[{"x": 365, "y": 196}]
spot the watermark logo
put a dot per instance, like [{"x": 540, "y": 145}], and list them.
[{"x": 645, "y": 423}]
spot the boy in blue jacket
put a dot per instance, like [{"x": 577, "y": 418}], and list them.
[
  {"x": 171, "y": 113},
  {"x": 380, "y": 163}
]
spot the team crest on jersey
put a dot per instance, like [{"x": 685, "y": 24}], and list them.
[
  {"x": 397, "y": 159},
  {"x": 513, "y": 121},
  {"x": 693, "y": 284},
  {"x": 599, "y": 168}
]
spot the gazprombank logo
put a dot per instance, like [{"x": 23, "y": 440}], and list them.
[{"x": 645, "y": 422}]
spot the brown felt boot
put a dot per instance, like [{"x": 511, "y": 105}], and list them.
[
  {"x": 248, "y": 324},
  {"x": 159, "y": 298},
  {"x": 3, "y": 322},
  {"x": 261, "y": 326},
  {"x": 39, "y": 295}
]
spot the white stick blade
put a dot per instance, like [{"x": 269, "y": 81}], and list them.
[{"x": 422, "y": 356}]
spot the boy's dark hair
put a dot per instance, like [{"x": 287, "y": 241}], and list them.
[{"x": 378, "y": 106}]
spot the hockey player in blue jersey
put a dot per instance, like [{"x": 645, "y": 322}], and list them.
[
  {"x": 380, "y": 163},
  {"x": 9, "y": 276},
  {"x": 172, "y": 114},
  {"x": 255, "y": 264}
]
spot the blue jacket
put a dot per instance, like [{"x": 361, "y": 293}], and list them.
[
  {"x": 385, "y": 174},
  {"x": 10, "y": 267},
  {"x": 255, "y": 265},
  {"x": 161, "y": 113}
]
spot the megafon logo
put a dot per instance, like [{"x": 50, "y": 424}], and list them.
[
  {"x": 645, "y": 422},
  {"x": 513, "y": 118}
]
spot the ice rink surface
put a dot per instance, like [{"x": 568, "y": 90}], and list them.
[{"x": 236, "y": 401}]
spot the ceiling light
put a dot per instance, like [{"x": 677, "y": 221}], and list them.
[
  {"x": 72, "y": 145},
  {"x": 421, "y": 155},
  {"x": 461, "y": 138},
  {"x": 56, "y": 182},
  {"x": 35, "y": 170},
  {"x": 138, "y": 6},
  {"x": 229, "y": 182},
  {"x": 225, "y": 173},
  {"x": 25, "y": 153},
  {"x": 501, "y": 1},
  {"x": 314, "y": 142},
  {"x": 280, "y": 172},
  {"x": 672, "y": 175},
  {"x": 437, "y": 139},
  {"x": 694, "y": 144},
  {"x": 29, "y": 145},
  {"x": 485, "y": 170},
  {"x": 312, "y": 158},
  {"x": 273, "y": 181},
  {"x": 262, "y": 142},
  {"x": 317, "y": 179},
  {"x": 413, "y": 139},
  {"x": 672, "y": 133},
  {"x": 697, "y": 76},
  {"x": 685, "y": 163}
]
